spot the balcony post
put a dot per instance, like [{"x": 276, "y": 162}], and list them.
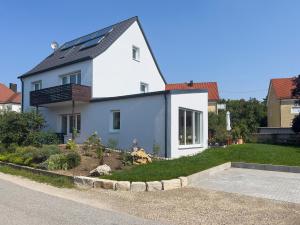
[{"x": 73, "y": 118}]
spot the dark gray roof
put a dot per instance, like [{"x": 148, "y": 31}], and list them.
[{"x": 61, "y": 58}]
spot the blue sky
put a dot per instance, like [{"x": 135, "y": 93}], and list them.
[{"x": 239, "y": 44}]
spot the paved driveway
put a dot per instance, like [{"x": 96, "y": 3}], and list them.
[{"x": 259, "y": 183}]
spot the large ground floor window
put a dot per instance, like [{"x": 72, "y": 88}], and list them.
[
  {"x": 68, "y": 122},
  {"x": 190, "y": 127}
]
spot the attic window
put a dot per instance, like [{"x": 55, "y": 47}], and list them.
[{"x": 135, "y": 53}]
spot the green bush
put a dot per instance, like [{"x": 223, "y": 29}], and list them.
[
  {"x": 71, "y": 145},
  {"x": 17, "y": 127},
  {"x": 40, "y": 138},
  {"x": 61, "y": 161},
  {"x": 112, "y": 143},
  {"x": 73, "y": 159},
  {"x": 29, "y": 155},
  {"x": 57, "y": 162}
]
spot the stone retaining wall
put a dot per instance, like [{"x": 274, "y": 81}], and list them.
[{"x": 91, "y": 182}]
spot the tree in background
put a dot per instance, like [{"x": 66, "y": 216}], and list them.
[
  {"x": 246, "y": 116},
  {"x": 296, "y": 94}
]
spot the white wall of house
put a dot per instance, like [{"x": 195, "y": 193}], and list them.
[
  {"x": 191, "y": 101},
  {"x": 10, "y": 107},
  {"x": 53, "y": 78},
  {"x": 115, "y": 73},
  {"x": 141, "y": 118}
]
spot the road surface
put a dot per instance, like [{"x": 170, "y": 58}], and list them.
[{"x": 19, "y": 205}]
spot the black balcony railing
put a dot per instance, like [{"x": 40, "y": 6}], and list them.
[{"x": 62, "y": 93}]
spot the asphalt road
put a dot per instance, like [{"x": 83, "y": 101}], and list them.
[{"x": 19, "y": 205}]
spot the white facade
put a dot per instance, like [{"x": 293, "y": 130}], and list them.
[
  {"x": 116, "y": 73},
  {"x": 10, "y": 107},
  {"x": 115, "y": 79}
]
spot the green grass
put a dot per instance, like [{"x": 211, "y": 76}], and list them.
[
  {"x": 59, "y": 181},
  {"x": 251, "y": 153}
]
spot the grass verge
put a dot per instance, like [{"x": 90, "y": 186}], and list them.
[
  {"x": 59, "y": 181},
  {"x": 184, "y": 166}
]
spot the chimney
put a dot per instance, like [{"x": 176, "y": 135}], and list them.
[
  {"x": 13, "y": 87},
  {"x": 191, "y": 83}
]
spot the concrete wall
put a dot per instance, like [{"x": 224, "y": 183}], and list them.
[
  {"x": 115, "y": 73},
  {"x": 53, "y": 78},
  {"x": 193, "y": 101},
  {"x": 273, "y": 108}
]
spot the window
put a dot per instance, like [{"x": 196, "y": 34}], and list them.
[
  {"x": 190, "y": 127},
  {"x": 144, "y": 87},
  {"x": 115, "y": 120},
  {"x": 36, "y": 85},
  {"x": 67, "y": 122},
  {"x": 71, "y": 78},
  {"x": 295, "y": 110},
  {"x": 135, "y": 53}
]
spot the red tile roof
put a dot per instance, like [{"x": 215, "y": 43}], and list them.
[
  {"x": 211, "y": 87},
  {"x": 283, "y": 87},
  {"x": 8, "y": 96}
]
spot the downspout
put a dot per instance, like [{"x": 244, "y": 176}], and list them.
[
  {"x": 166, "y": 125},
  {"x": 22, "y": 96}
]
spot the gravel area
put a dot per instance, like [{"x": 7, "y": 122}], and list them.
[{"x": 181, "y": 206}]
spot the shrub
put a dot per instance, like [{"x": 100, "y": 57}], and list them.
[
  {"x": 40, "y": 138},
  {"x": 71, "y": 145},
  {"x": 61, "y": 161},
  {"x": 127, "y": 158},
  {"x": 93, "y": 143},
  {"x": 56, "y": 162},
  {"x": 73, "y": 159},
  {"x": 16, "y": 127}
]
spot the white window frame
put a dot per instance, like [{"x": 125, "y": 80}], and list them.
[
  {"x": 138, "y": 53},
  {"x": 39, "y": 82},
  {"x": 68, "y": 123},
  {"x": 194, "y": 145},
  {"x": 295, "y": 110},
  {"x": 111, "y": 121},
  {"x": 146, "y": 87},
  {"x": 68, "y": 77}
]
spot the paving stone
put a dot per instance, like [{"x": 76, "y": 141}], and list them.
[
  {"x": 154, "y": 186},
  {"x": 171, "y": 184},
  {"x": 183, "y": 181},
  {"x": 123, "y": 186},
  {"x": 138, "y": 186}
]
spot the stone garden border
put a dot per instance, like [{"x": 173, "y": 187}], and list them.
[
  {"x": 162, "y": 185},
  {"x": 176, "y": 183}
]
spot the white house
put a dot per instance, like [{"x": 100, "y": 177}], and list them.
[
  {"x": 10, "y": 98},
  {"x": 109, "y": 82}
]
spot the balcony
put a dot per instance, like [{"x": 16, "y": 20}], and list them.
[{"x": 62, "y": 93}]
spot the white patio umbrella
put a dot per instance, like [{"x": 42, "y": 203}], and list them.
[{"x": 228, "y": 126}]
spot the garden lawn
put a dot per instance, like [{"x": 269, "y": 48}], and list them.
[
  {"x": 184, "y": 166},
  {"x": 59, "y": 181}
]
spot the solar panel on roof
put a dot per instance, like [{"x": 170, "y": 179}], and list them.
[
  {"x": 91, "y": 43},
  {"x": 87, "y": 38}
]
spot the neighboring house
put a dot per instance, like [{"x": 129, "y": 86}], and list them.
[
  {"x": 282, "y": 106},
  {"x": 211, "y": 87},
  {"x": 109, "y": 82},
  {"x": 10, "y": 99}
]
